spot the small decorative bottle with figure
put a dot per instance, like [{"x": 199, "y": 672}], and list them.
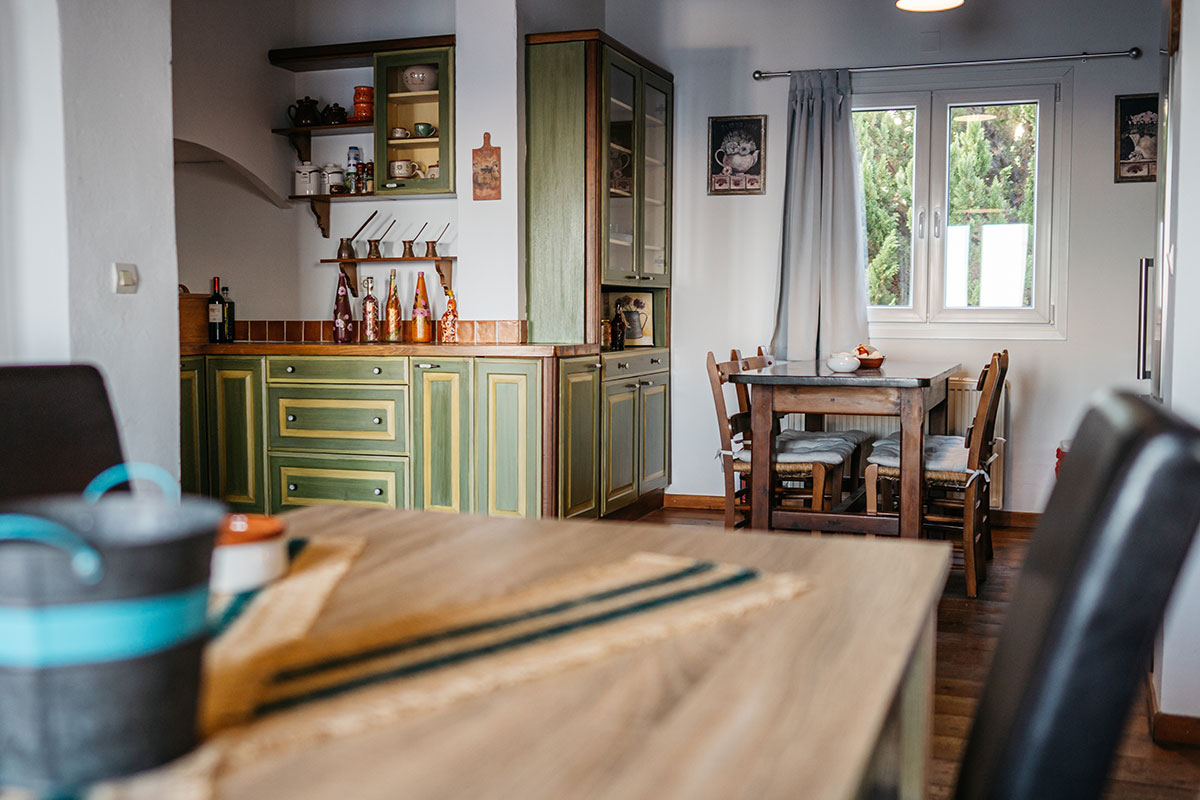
[
  {"x": 370, "y": 311},
  {"x": 449, "y": 324},
  {"x": 343, "y": 316}
]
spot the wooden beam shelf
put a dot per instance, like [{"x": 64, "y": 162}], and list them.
[
  {"x": 348, "y": 55},
  {"x": 301, "y": 138},
  {"x": 443, "y": 264}
]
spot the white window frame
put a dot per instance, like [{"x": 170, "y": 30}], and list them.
[{"x": 932, "y": 92}]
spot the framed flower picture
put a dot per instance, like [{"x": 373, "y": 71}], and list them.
[
  {"x": 638, "y": 310},
  {"x": 1137, "y": 138},
  {"x": 737, "y": 155}
]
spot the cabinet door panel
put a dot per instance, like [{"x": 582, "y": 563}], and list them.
[
  {"x": 579, "y": 437},
  {"x": 620, "y": 212},
  {"x": 619, "y": 462},
  {"x": 193, "y": 427},
  {"x": 237, "y": 452},
  {"x": 339, "y": 419},
  {"x": 653, "y": 432},
  {"x": 655, "y": 192},
  {"x": 442, "y": 435},
  {"x": 305, "y": 480},
  {"x": 507, "y": 437}
]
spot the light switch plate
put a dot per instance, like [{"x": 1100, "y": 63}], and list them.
[{"x": 125, "y": 278}]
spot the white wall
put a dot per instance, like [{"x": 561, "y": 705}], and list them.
[
  {"x": 729, "y": 246},
  {"x": 116, "y": 84},
  {"x": 1177, "y": 658}
]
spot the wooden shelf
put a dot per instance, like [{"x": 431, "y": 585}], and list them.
[
  {"x": 301, "y": 138},
  {"x": 620, "y": 104},
  {"x": 413, "y": 97},
  {"x": 620, "y": 148},
  {"x": 348, "y": 55},
  {"x": 328, "y": 197},
  {"x": 444, "y": 265},
  {"x": 413, "y": 141},
  {"x": 618, "y": 193}
]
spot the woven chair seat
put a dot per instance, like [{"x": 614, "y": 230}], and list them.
[{"x": 793, "y": 469}]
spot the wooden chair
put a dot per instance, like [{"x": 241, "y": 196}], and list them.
[
  {"x": 817, "y": 462},
  {"x": 57, "y": 428},
  {"x": 1086, "y": 607},
  {"x": 957, "y": 464}
]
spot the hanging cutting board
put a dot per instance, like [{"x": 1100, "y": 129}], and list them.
[{"x": 485, "y": 170}]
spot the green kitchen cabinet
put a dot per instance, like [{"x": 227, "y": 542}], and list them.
[
  {"x": 404, "y": 103},
  {"x": 442, "y": 434},
  {"x": 193, "y": 427},
  {"x": 579, "y": 436},
  {"x": 307, "y": 479},
  {"x": 236, "y": 392},
  {"x": 508, "y": 400},
  {"x": 653, "y": 436},
  {"x": 339, "y": 419},
  {"x": 619, "y": 442}
]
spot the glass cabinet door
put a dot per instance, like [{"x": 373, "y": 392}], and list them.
[
  {"x": 656, "y": 180},
  {"x": 620, "y": 264},
  {"x": 414, "y": 121}
]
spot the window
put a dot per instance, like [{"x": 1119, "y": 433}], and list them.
[{"x": 962, "y": 197}]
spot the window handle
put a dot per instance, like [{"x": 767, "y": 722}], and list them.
[
  {"x": 937, "y": 223},
  {"x": 921, "y": 224}
]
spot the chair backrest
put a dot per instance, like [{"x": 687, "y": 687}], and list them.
[
  {"x": 729, "y": 425},
  {"x": 980, "y": 436},
  {"x": 57, "y": 430},
  {"x": 1087, "y": 606},
  {"x": 760, "y": 361}
]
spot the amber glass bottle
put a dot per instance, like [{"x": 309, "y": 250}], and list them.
[
  {"x": 392, "y": 321},
  {"x": 421, "y": 318}
]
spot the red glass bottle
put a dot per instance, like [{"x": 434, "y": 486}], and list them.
[
  {"x": 393, "y": 322},
  {"x": 370, "y": 312},
  {"x": 421, "y": 318},
  {"x": 343, "y": 317}
]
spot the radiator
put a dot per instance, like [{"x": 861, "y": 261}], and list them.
[{"x": 962, "y": 400}]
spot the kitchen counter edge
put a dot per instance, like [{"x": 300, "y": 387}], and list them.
[{"x": 388, "y": 349}]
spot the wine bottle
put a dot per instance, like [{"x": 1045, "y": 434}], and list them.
[
  {"x": 370, "y": 312},
  {"x": 343, "y": 316},
  {"x": 421, "y": 318},
  {"x": 216, "y": 314},
  {"x": 393, "y": 323},
  {"x": 227, "y": 314}
]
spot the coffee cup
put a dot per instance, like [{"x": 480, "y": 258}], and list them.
[
  {"x": 433, "y": 171},
  {"x": 423, "y": 129},
  {"x": 400, "y": 133},
  {"x": 405, "y": 168}
]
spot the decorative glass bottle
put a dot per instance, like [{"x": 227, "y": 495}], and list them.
[
  {"x": 618, "y": 326},
  {"x": 227, "y": 315},
  {"x": 393, "y": 323},
  {"x": 449, "y": 324},
  {"x": 422, "y": 320},
  {"x": 370, "y": 312},
  {"x": 343, "y": 317}
]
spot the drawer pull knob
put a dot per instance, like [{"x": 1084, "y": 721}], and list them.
[
  {"x": 429, "y": 366},
  {"x": 631, "y": 386},
  {"x": 646, "y": 278},
  {"x": 645, "y": 383},
  {"x": 622, "y": 365},
  {"x": 290, "y": 369},
  {"x": 378, "y": 420},
  {"x": 377, "y": 371},
  {"x": 378, "y": 492},
  {"x": 291, "y": 487},
  {"x": 291, "y": 417},
  {"x": 656, "y": 361},
  {"x": 631, "y": 277}
]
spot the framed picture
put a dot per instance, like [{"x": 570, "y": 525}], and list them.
[
  {"x": 638, "y": 309},
  {"x": 737, "y": 155},
  {"x": 1137, "y": 138}
]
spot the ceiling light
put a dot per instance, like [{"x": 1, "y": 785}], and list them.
[{"x": 927, "y": 5}]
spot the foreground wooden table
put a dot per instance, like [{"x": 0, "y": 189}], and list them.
[
  {"x": 908, "y": 389},
  {"x": 813, "y": 698}
]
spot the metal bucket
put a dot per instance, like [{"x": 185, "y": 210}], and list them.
[{"x": 102, "y": 623}]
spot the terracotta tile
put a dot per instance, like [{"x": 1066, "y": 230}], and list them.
[
  {"x": 241, "y": 330},
  {"x": 258, "y": 330},
  {"x": 326, "y": 330},
  {"x": 524, "y": 336},
  {"x": 275, "y": 331},
  {"x": 406, "y": 331},
  {"x": 485, "y": 331},
  {"x": 508, "y": 331},
  {"x": 312, "y": 330},
  {"x": 293, "y": 330},
  {"x": 466, "y": 331}
]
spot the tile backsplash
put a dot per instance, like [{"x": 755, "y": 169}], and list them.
[{"x": 481, "y": 331}]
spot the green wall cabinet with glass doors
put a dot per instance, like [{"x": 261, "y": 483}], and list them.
[{"x": 401, "y": 103}]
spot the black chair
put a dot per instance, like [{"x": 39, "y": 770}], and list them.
[
  {"x": 57, "y": 430},
  {"x": 1086, "y": 608}
]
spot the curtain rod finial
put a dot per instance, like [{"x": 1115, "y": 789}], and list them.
[
  {"x": 1135, "y": 52},
  {"x": 758, "y": 75}
]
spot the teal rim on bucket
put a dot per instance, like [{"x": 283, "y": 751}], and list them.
[
  {"x": 85, "y": 561},
  {"x": 123, "y": 473}
]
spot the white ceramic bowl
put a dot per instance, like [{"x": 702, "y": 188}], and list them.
[
  {"x": 420, "y": 77},
  {"x": 842, "y": 362}
]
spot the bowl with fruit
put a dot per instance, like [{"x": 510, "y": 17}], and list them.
[{"x": 868, "y": 356}]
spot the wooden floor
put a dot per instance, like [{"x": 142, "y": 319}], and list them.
[{"x": 966, "y": 639}]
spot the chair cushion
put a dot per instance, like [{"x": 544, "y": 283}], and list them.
[
  {"x": 854, "y": 437},
  {"x": 942, "y": 453},
  {"x": 807, "y": 450}
]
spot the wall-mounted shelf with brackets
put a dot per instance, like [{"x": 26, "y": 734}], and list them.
[
  {"x": 443, "y": 264},
  {"x": 301, "y": 138}
]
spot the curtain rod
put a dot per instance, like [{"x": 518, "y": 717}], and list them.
[{"x": 1133, "y": 52}]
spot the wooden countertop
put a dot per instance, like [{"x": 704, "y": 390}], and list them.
[
  {"x": 788, "y": 701},
  {"x": 387, "y": 349}
]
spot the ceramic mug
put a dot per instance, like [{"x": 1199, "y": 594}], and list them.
[
  {"x": 401, "y": 133},
  {"x": 405, "y": 168},
  {"x": 433, "y": 172},
  {"x": 423, "y": 129}
]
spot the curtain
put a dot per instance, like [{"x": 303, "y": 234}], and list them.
[{"x": 822, "y": 293}]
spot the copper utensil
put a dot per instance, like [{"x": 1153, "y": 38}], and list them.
[
  {"x": 408, "y": 251},
  {"x": 346, "y": 249},
  {"x": 373, "y": 248},
  {"x": 431, "y": 247},
  {"x": 388, "y": 228},
  {"x": 360, "y": 227}
]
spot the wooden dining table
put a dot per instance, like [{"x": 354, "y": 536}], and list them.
[
  {"x": 825, "y": 695},
  {"x": 907, "y": 389}
]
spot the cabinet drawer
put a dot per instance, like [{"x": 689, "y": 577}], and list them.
[
  {"x": 342, "y": 420},
  {"x": 336, "y": 369},
  {"x": 625, "y": 363},
  {"x": 349, "y": 480}
]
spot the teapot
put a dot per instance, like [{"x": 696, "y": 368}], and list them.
[
  {"x": 333, "y": 115},
  {"x": 304, "y": 112},
  {"x": 735, "y": 161}
]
